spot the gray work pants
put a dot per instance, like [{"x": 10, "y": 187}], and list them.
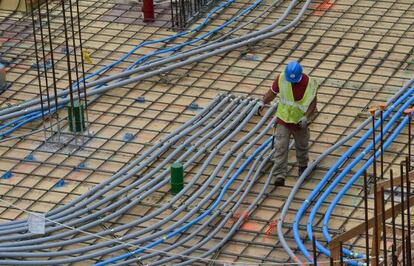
[{"x": 282, "y": 137}]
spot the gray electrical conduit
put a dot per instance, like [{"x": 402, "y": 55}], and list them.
[
  {"x": 254, "y": 19},
  {"x": 133, "y": 203},
  {"x": 169, "y": 140},
  {"x": 65, "y": 261},
  {"x": 276, "y": 23},
  {"x": 97, "y": 193},
  {"x": 144, "y": 178},
  {"x": 228, "y": 216},
  {"x": 285, "y": 12},
  {"x": 213, "y": 216},
  {"x": 166, "y": 172},
  {"x": 155, "y": 226},
  {"x": 164, "y": 251},
  {"x": 310, "y": 168},
  {"x": 233, "y": 44}
]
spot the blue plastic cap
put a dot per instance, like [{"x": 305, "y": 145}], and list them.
[
  {"x": 140, "y": 99},
  {"x": 80, "y": 166},
  {"x": 30, "y": 157},
  {"x": 7, "y": 175},
  {"x": 60, "y": 183},
  {"x": 128, "y": 136},
  {"x": 193, "y": 106},
  {"x": 293, "y": 72}
]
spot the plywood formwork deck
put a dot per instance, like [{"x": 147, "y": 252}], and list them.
[{"x": 360, "y": 51}]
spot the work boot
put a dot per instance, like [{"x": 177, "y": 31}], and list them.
[
  {"x": 280, "y": 181},
  {"x": 301, "y": 170}
]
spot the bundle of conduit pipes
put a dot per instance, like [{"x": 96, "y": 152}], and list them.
[
  {"x": 219, "y": 124},
  {"x": 163, "y": 65}
]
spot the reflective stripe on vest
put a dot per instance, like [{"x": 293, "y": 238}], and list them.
[{"x": 289, "y": 110}]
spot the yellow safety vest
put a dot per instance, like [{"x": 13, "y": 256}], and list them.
[{"x": 289, "y": 110}]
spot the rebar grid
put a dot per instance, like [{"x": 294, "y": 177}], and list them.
[{"x": 354, "y": 62}]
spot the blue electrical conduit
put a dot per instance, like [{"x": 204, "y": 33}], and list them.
[
  {"x": 166, "y": 39},
  {"x": 354, "y": 178},
  {"x": 179, "y": 46},
  {"x": 348, "y": 168},
  {"x": 228, "y": 34},
  {"x": 142, "y": 160},
  {"x": 19, "y": 122},
  {"x": 386, "y": 144},
  {"x": 310, "y": 168},
  {"x": 68, "y": 260},
  {"x": 142, "y": 165},
  {"x": 165, "y": 50},
  {"x": 226, "y": 46},
  {"x": 114, "y": 230},
  {"x": 195, "y": 220},
  {"x": 195, "y": 40},
  {"x": 328, "y": 175}
]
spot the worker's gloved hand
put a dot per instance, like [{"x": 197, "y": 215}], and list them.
[{"x": 303, "y": 122}]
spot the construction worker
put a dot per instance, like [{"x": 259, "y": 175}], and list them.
[{"x": 297, "y": 103}]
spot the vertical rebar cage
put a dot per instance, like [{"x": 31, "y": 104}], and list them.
[{"x": 184, "y": 12}]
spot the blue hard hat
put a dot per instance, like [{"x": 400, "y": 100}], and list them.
[{"x": 293, "y": 72}]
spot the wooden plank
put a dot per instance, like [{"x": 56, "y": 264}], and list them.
[
  {"x": 360, "y": 229},
  {"x": 397, "y": 181}
]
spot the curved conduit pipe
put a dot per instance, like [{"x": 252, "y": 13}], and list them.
[
  {"x": 195, "y": 220},
  {"x": 354, "y": 178},
  {"x": 139, "y": 162},
  {"x": 163, "y": 40},
  {"x": 149, "y": 155},
  {"x": 149, "y": 175},
  {"x": 310, "y": 168},
  {"x": 223, "y": 221},
  {"x": 216, "y": 212},
  {"x": 285, "y": 13},
  {"x": 353, "y": 164},
  {"x": 227, "y": 45},
  {"x": 238, "y": 223},
  {"x": 228, "y": 216},
  {"x": 35, "y": 115},
  {"x": 170, "y": 49},
  {"x": 160, "y": 181},
  {"x": 210, "y": 221},
  {"x": 152, "y": 172}
]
